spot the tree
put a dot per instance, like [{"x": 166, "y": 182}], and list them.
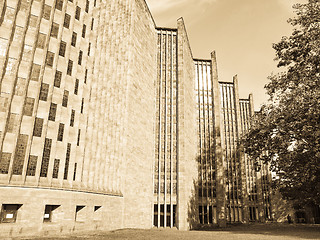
[{"x": 287, "y": 129}]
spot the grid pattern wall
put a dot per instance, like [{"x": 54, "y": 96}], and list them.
[
  {"x": 205, "y": 123},
  {"x": 233, "y": 161},
  {"x": 165, "y": 175},
  {"x": 50, "y": 92}
]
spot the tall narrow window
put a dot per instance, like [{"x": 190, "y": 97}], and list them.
[
  {"x": 74, "y": 171},
  {"x": 76, "y": 86},
  {"x": 66, "y": 22},
  {"x": 78, "y": 10},
  {"x": 80, "y": 57},
  {"x": 19, "y": 156},
  {"x": 54, "y": 30},
  {"x": 78, "y": 140},
  {"x": 46, "y": 12},
  {"x": 82, "y": 103},
  {"x": 69, "y": 69},
  {"x": 66, "y": 166},
  {"x": 52, "y": 112},
  {"x": 74, "y": 39},
  {"x": 57, "y": 79},
  {"x": 89, "y": 48},
  {"x": 28, "y": 106},
  {"x": 45, "y": 157},
  {"x": 60, "y": 132},
  {"x": 9, "y": 213},
  {"x": 38, "y": 124},
  {"x": 4, "y": 162},
  {"x": 62, "y": 49},
  {"x": 55, "y": 171},
  {"x": 44, "y": 91},
  {"x": 87, "y": 5},
  {"x": 65, "y": 98},
  {"x": 92, "y": 22},
  {"x": 32, "y": 165},
  {"x": 50, "y": 58},
  {"x": 84, "y": 31},
  {"x": 73, "y": 112},
  {"x": 85, "y": 76}
]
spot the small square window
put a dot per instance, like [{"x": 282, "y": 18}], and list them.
[
  {"x": 49, "y": 213},
  {"x": 74, "y": 39},
  {"x": 57, "y": 79},
  {"x": 69, "y": 69},
  {"x": 80, "y": 57},
  {"x": 78, "y": 10},
  {"x": 62, "y": 49},
  {"x": 84, "y": 31},
  {"x": 59, "y": 4},
  {"x": 46, "y": 12},
  {"x": 54, "y": 30},
  {"x": 50, "y": 58},
  {"x": 9, "y": 212},
  {"x": 66, "y": 22}
]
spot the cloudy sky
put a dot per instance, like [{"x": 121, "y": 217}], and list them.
[{"x": 240, "y": 31}]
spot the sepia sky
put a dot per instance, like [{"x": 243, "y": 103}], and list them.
[{"x": 240, "y": 31}]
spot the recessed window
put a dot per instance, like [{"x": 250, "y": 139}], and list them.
[
  {"x": 57, "y": 79},
  {"x": 44, "y": 91},
  {"x": 46, "y": 12},
  {"x": 82, "y": 105},
  {"x": 80, "y": 214},
  {"x": 76, "y": 87},
  {"x": 85, "y": 76},
  {"x": 74, "y": 39},
  {"x": 54, "y": 30},
  {"x": 66, "y": 22},
  {"x": 66, "y": 165},
  {"x": 50, "y": 58},
  {"x": 92, "y": 22},
  {"x": 52, "y": 112},
  {"x": 78, "y": 10},
  {"x": 45, "y": 157},
  {"x": 32, "y": 165},
  {"x": 49, "y": 213},
  {"x": 62, "y": 49},
  {"x": 69, "y": 69},
  {"x": 84, "y": 27},
  {"x": 89, "y": 48},
  {"x": 4, "y": 162},
  {"x": 55, "y": 171},
  {"x": 73, "y": 112},
  {"x": 59, "y": 4},
  {"x": 65, "y": 98},
  {"x": 87, "y": 5},
  {"x": 35, "y": 72},
  {"x": 38, "y": 124},
  {"x": 80, "y": 57},
  {"x": 60, "y": 132},
  {"x": 9, "y": 212}
]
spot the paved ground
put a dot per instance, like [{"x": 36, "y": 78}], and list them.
[{"x": 261, "y": 232}]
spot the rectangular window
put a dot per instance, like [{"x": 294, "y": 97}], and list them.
[
  {"x": 78, "y": 10},
  {"x": 80, "y": 214},
  {"x": 59, "y": 4},
  {"x": 41, "y": 40},
  {"x": 32, "y": 165},
  {"x": 62, "y": 49},
  {"x": 70, "y": 1},
  {"x": 4, "y": 162},
  {"x": 9, "y": 212},
  {"x": 38, "y": 124},
  {"x": 76, "y": 87},
  {"x": 55, "y": 171},
  {"x": 82, "y": 103},
  {"x": 13, "y": 123},
  {"x": 84, "y": 31},
  {"x": 49, "y": 59},
  {"x": 20, "y": 154},
  {"x": 69, "y": 69},
  {"x": 60, "y": 132},
  {"x": 78, "y": 140},
  {"x": 54, "y": 30},
  {"x": 66, "y": 166},
  {"x": 85, "y": 76},
  {"x": 74, "y": 39},
  {"x": 44, "y": 92},
  {"x": 28, "y": 106},
  {"x": 35, "y": 73},
  {"x": 49, "y": 213},
  {"x": 46, "y": 12},
  {"x": 95, "y": 3},
  {"x": 45, "y": 157},
  {"x": 80, "y": 57},
  {"x": 89, "y": 48},
  {"x": 74, "y": 171},
  {"x": 73, "y": 112},
  {"x": 66, "y": 22},
  {"x": 87, "y": 6},
  {"x": 65, "y": 98},
  {"x": 57, "y": 79},
  {"x": 52, "y": 112},
  {"x": 92, "y": 22}
]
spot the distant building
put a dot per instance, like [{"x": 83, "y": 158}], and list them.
[{"x": 107, "y": 122}]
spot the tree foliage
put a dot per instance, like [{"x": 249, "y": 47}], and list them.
[{"x": 287, "y": 129}]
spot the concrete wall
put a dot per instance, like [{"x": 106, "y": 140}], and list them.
[{"x": 187, "y": 132}]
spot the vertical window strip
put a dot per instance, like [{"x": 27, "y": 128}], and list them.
[
  {"x": 45, "y": 157},
  {"x": 66, "y": 167}
]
